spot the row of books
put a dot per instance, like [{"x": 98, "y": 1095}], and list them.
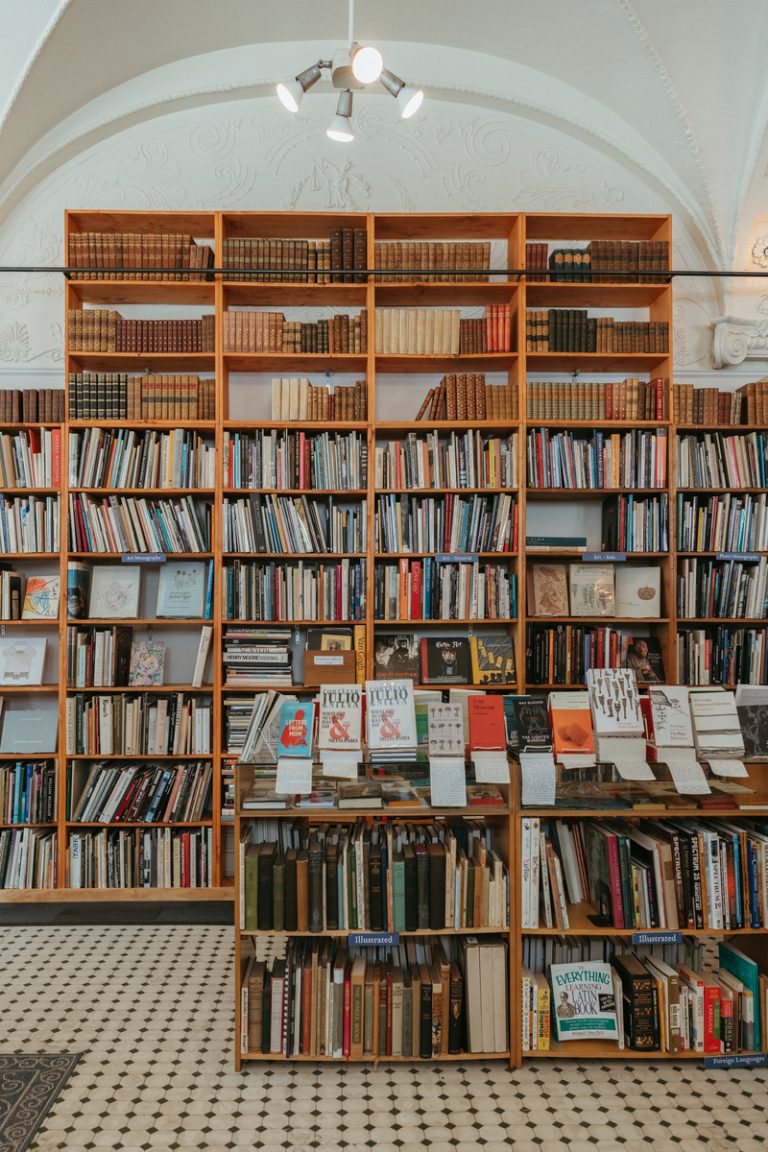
[
  {"x": 307, "y": 591},
  {"x": 441, "y": 331},
  {"x": 28, "y": 858},
  {"x": 126, "y": 458},
  {"x": 563, "y": 653},
  {"x": 425, "y": 590},
  {"x": 297, "y": 398},
  {"x": 393, "y": 877},
  {"x": 27, "y": 598},
  {"x": 135, "y": 524},
  {"x": 138, "y": 793},
  {"x": 111, "y": 657},
  {"x": 29, "y": 524},
  {"x": 467, "y": 396},
  {"x": 259, "y": 655},
  {"x": 746, "y": 405},
  {"x": 298, "y": 261},
  {"x": 722, "y": 523},
  {"x": 713, "y": 460},
  {"x": 460, "y": 460},
  {"x": 138, "y": 725},
  {"x": 271, "y": 332},
  {"x": 27, "y": 792},
  {"x": 113, "y": 591},
  {"x": 154, "y": 396},
  {"x": 451, "y": 522},
  {"x": 31, "y": 458},
  {"x": 423, "y": 998},
  {"x": 148, "y": 858},
  {"x": 730, "y": 589},
  {"x": 722, "y": 655},
  {"x": 435, "y": 262},
  {"x": 594, "y": 590},
  {"x": 105, "y": 330},
  {"x": 574, "y": 330},
  {"x": 293, "y": 525},
  {"x": 637, "y": 261},
  {"x": 31, "y": 405},
  {"x": 330, "y": 460},
  {"x": 636, "y": 459},
  {"x": 629, "y": 399},
  {"x": 98, "y": 252},
  {"x": 635, "y": 524}
]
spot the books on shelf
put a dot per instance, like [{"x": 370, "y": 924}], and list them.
[
  {"x": 574, "y": 330},
  {"x": 432, "y": 262},
  {"x": 31, "y": 405},
  {"x": 28, "y": 792},
  {"x": 716, "y": 728},
  {"x": 627, "y": 261},
  {"x": 722, "y": 523},
  {"x": 635, "y": 459},
  {"x": 745, "y": 405},
  {"x": 270, "y": 332},
  {"x": 293, "y": 524},
  {"x": 297, "y": 398},
  {"x": 442, "y": 331},
  {"x": 134, "y": 524},
  {"x": 278, "y": 459},
  {"x": 297, "y": 719},
  {"x": 635, "y": 524},
  {"x": 28, "y": 858},
  {"x": 341, "y": 259},
  {"x": 154, "y": 396},
  {"x": 105, "y": 657},
  {"x": 432, "y": 590},
  {"x": 157, "y": 858},
  {"x": 722, "y": 654},
  {"x": 458, "y": 524},
  {"x": 467, "y": 396},
  {"x": 304, "y": 591},
  {"x": 714, "y": 460},
  {"x": 31, "y": 458},
  {"x": 562, "y": 653},
  {"x": 725, "y": 588},
  {"x": 98, "y": 254},
  {"x": 629, "y": 399},
  {"x": 29, "y": 524},
  {"x": 138, "y": 724},
  {"x": 105, "y": 330},
  {"x": 459, "y": 460},
  {"x": 138, "y": 793},
  {"x": 127, "y": 458},
  {"x": 253, "y": 655},
  {"x": 593, "y": 590}
]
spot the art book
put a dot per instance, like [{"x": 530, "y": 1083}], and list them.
[
  {"x": 671, "y": 716},
  {"x": 296, "y": 722},
  {"x": 638, "y": 590},
  {"x": 493, "y": 658},
  {"x": 446, "y": 730},
  {"x": 78, "y": 589},
  {"x": 21, "y": 660},
  {"x": 583, "y": 1003},
  {"x": 571, "y": 723},
  {"x": 41, "y": 598},
  {"x": 115, "y": 592},
  {"x": 644, "y": 658},
  {"x": 340, "y": 718},
  {"x": 547, "y": 590},
  {"x": 533, "y": 731},
  {"x": 615, "y": 702},
  {"x": 486, "y": 723},
  {"x": 592, "y": 590},
  {"x": 181, "y": 589},
  {"x": 396, "y": 657},
  {"x": 752, "y": 710},
  {"x": 390, "y": 717},
  {"x": 147, "y": 664},
  {"x": 445, "y": 660}
]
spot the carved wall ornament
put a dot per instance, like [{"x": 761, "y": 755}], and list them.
[{"x": 736, "y": 339}]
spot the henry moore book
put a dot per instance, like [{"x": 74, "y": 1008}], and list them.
[{"x": 638, "y": 591}]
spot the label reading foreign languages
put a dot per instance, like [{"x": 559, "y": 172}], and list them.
[
  {"x": 373, "y": 939},
  {"x": 657, "y": 937},
  {"x": 458, "y": 557},
  {"x": 742, "y": 1060},
  {"x": 143, "y": 558},
  {"x": 603, "y": 557},
  {"x": 745, "y": 557}
]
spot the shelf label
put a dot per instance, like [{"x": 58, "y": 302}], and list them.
[
  {"x": 745, "y": 557},
  {"x": 143, "y": 558},
  {"x": 373, "y": 939},
  {"x": 657, "y": 937},
  {"x": 740, "y": 1060},
  {"x": 603, "y": 557},
  {"x": 458, "y": 557}
]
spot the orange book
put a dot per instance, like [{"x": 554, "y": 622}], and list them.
[{"x": 571, "y": 723}]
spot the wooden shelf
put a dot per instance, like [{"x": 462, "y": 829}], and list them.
[
  {"x": 170, "y": 556},
  {"x": 592, "y": 294},
  {"x": 187, "y": 292},
  {"x": 52, "y": 623},
  {"x": 295, "y": 361},
  {"x": 144, "y": 425},
  {"x": 581, "y": 925},
  {"x": 277, "y": 295},
  {"x": 595, "y": 361},
  {"x": 134, "y": 756},
  {"x": 138, "y": 361},
  {"x": 456, "y": 362},
  {"x": 384, "y": 427},
  {"x": 110, "y": 824},
  {"x": 465, "y": 292},
  {"x": 147, "y": 622},
  {"x": 319, "y": 493},
  {"x": 592, "y": 425},
  {"x": 581, "y": 493},
  {"x": 163, "y": 688},
  {"x": 481, "y": 620},
  {"x": 295, "y": 425},
  {"x": 103, "y": 895},
  {"x": 604, "y": 1050},
  {"x": 172, "y": 492}
]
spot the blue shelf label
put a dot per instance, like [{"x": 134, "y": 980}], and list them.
[
  {"x": 458, "y": 557},
  {"x": 143, "y": 558},
  {"x": 603, "y": 557},
  {"x": 373, "y": 939},
  {"x": 741, "y": 1060},
  {"x": 745, "y": 557},
  {"x": 657, "y": 937}
]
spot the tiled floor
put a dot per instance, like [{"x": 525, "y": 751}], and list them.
[{"x": 151, "y": 1009}]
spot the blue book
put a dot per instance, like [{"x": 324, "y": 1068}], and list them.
[
  {"x": 746, "y": 970},
  {"x": 208, "y": 611},
  {"x": 296, "y": 723}
]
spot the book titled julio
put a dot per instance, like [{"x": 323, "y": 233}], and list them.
[
  {"x": 583, "y": 1002},
  {"x": 296, "y": 722},
  {"x": 340, "y": 717},
  {"x": 391, "y": 716}
]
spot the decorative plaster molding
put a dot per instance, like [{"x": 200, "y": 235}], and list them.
[
  {"x": 736, "y": 339},
  {"x": 760, "y": 252}
]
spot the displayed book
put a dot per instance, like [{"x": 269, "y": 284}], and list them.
[
  {"x": 261, "y": 795},
  {"x": 390, "y": 717},
  {"x": 614, "y": 701},
  {"x": 752, "y": 709},
  {"x": 340, "y": 717},
  {"x": 640, "y": 1005},
  {"x": 115, "y": 592},
  {"x": 571, "y": 722},
  {"x": 27, "y": 731},
  {"x": 583, "y": 1003},
  {"x": 181, "y": 589},
  {"x": 493, "y": 658},
  {"x": 396, "y": 656},
  {"x": 41, "y": 598},
  {"x": 644, "y": 658},
  {"x": 670, "y": 716},
  {"x": 446, "y": 730},
  {"x": 592, "y": 590},
  {"x": 534, "y": 733},
  {"x": 360, "y": 794},
  {"x": 487, "y": 730},
  {"x": 547, "y": 586},
  {"x": 296, "y": 725},
  {"x": 716, "y": 727},
  {"x": 206, "y": 635},
  {"x": 638, "y": 590},
  {"x": 78, "y": 589},
  {"x": 21, "y": 660},
  {"x": 147, "y": 663},
  {"x": 445, "y": 660},
  {"x": 736, "y": 963}
]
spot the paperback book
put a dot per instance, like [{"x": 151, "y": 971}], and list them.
[
  {"x": 583, "y": 1001},
  {"x": 296, "y": 723},
  {"x": 445, "y": 660},
  {"x": 340, "y": 718},
  {"x": 390, "y": 717}
]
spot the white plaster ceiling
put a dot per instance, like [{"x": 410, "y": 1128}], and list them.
[{"x": 675, "y": 89}]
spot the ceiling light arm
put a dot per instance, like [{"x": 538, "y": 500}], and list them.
[{"x": 351, "y": 24}]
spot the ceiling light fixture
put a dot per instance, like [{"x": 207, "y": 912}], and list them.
[{"x": 352, "y": 69}]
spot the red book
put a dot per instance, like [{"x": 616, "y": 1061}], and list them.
[
  {"x": 416, "y": 609},
  {"x": 711, "y": 1016},
  {"x": 486, "y": 723}
]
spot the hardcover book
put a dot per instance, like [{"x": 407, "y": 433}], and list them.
[
  {"x": 28, "y": 731},
  {"x": 361, "y": 794},
  {"x": 547, "y": 590},
  {"x": 78, "y": 589},
  {"x": 115, "y": 592},
  {"x": 638, "y": 590},
  {"x": 396, "y": 657},
  {"x": 445, "y": 660},
  {"x": 41, "y": 598},
  {"x": 340, "y": 718},
  {"x": 533, "y": 731},
  {"x": 296, "y": 723},
  {"x": 181, "y": 590},
  {"x": 493, "y": 658},
  {"x": 390, "y": 716},
  {"x": 671, "y": 716},
  {"x": 571, "y": 723},
  {"x": 644, "y": 658},
  {"x": 592, "y": 589},
  {"x": 446, "y": 730},
  {"x": 486, "y": 723},
  {"x": 329, "y": 639},
  {"x": 147, "y": 663},
  {"x": 21, "y": 660},
  {"x": 584, "y": 1006},
  {"x": 614, "y": 701}
]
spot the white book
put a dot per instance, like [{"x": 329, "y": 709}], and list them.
[
  {"x": 671, "y": 714},
  {"x": 391, "y": 717},
  {"x": 340, "y": 718},
  {"x": 206, "y": 632},
  {"x": 614, "y": 701},
  {"x": 115, "y": 592},
  {"x": 638, "y": 591},
  {"x": 21, "y": 660}
]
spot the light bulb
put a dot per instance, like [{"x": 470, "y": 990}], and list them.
[
  {"x": 367, "y": 64},
  {"x": 290, "y": 95},
  {"x": 409, "y": 101},
  {"x": 340, "y": 129}
]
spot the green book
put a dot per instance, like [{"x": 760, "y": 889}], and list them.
[
  {"x": 398, "y": 893},
  {"x": 746, "y": 970},
  {"x": 251, "y": 887},
  {"x": 278, "y": 893}
]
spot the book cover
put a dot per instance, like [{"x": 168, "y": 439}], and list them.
[
  {"x": 445, "y": 660},
  {"x": 638, "y": 590},
  {"x": 41, "y": 598},
  {"x": 743, "y": 967},
  {"x": 486, "y": 723},
  {"x": 296, "y": 722},
  {"x": 754, "y": 728},
  {"x": 584, "y": 1007},
  {"x": 547, "y": 586},
  {"x": 21, "y": 660},
  {"x": 644, "y": 658},
  {"x": 28, "y": 731},
  {"x": 78, "y": 590},
  {"x": 329, "y": 639},
  {"x": 592, "y": 591},
  {"x": 360, "y": 794},
  {"x": 340, "y": 717},
  {"x": 615, "y": 701},
  {"x": 390, "y": 715},
  {"x": 533, "y": 730},
  {"x": 493, "y": 658},
  {"x": 446, "y": 730},
  {"x": 571, "y": 723},
  {"x": 147, "y": 663},
  {"x": 671, "y": 716},
  {"x": 115, "y": 592},
  {"x": 181, "y": 589},
  {"x": 396, "y": 657}
]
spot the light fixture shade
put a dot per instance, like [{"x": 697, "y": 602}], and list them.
[
  {"x": 291, "y": 94},
  {"x": 367, "y": 64},
  {"x": 409, "y": 100},
  {"x": 340, "y": 128}
]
